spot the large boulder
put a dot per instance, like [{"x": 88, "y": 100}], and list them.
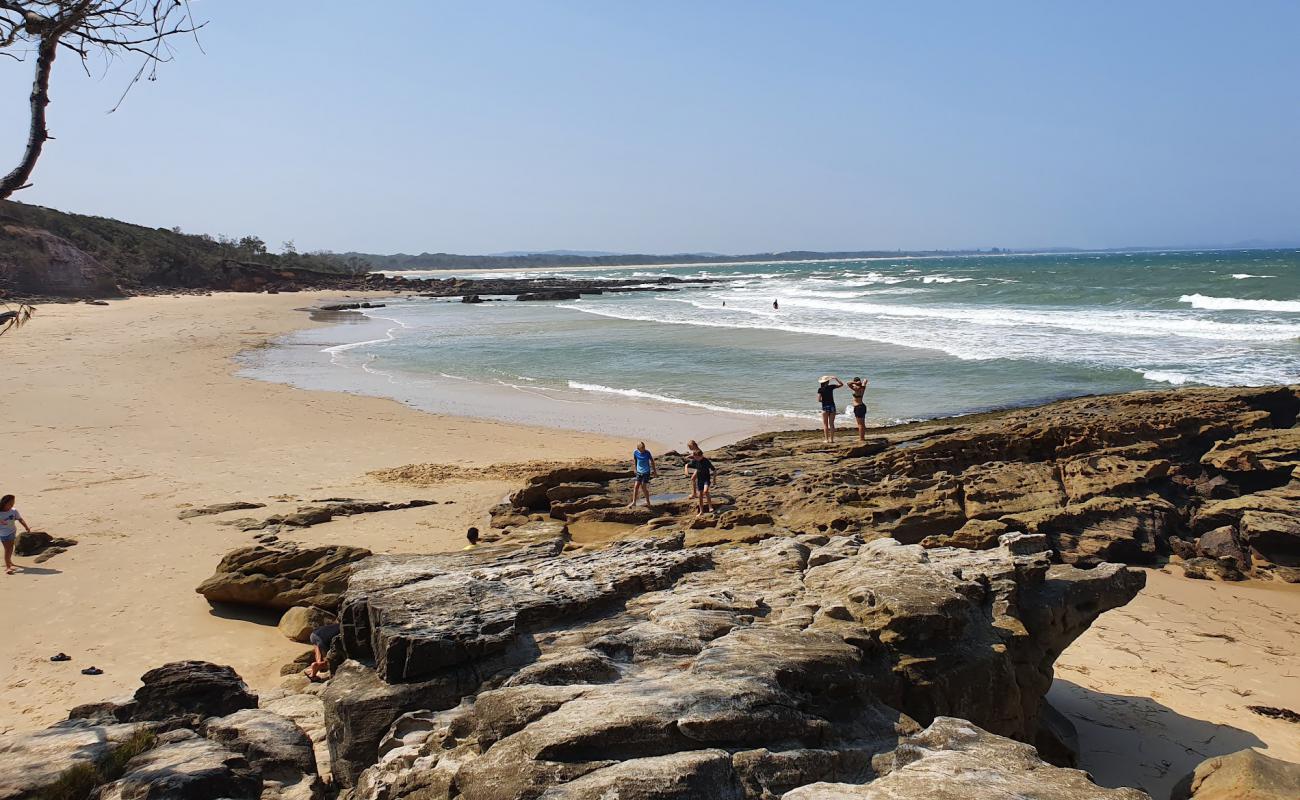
[
  {"x": 282, "y": 576},
  {"x": 299, "y": 621},
  {"x": 1243, "y": 775},
  {"x": 277, "y": 749},
  {"x": 954, "y": 760},
  {"x": 269, "y": 740},
  {"x": 31, "y": 763},
  {"x": 185, "y": 765},
  {"x": 188, "y": 689}
]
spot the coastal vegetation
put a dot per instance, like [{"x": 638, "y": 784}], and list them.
[{"x": 135, "y": 256}]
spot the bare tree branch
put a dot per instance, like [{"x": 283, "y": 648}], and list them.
[
  {"x": 110, "y": 29},
  {"x": 14, "y": 316}
]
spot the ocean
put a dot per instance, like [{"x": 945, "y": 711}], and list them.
[{"x": 934, "y": 336}]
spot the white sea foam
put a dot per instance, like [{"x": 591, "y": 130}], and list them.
[
  {"x": 663, "y": 398},
  {"x": 1207, "y": 303},
  {"x": 1241, "y": 276},
  {"x": 1089, "y": 320},
  {"x": 1161, "y": 376},
  {"x": 943, "y": 279}
]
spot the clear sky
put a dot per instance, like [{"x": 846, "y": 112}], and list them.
[{"x": 672, "y": 126}]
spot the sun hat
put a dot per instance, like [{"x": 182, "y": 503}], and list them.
[{"x": 824, "y": 379}]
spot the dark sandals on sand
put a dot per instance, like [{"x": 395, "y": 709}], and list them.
[
  {"x": 92, "y": 671},
  {"x": 61, "y": 657}
]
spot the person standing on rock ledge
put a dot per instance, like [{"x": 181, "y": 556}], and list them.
[
  {"x": 701, "y": 471},
  {"x": 8, "y": 531},
  {"x": 826, "y": 396},
  {"x": 645, "y": 470},
  {"x": 859, "y": 388}
]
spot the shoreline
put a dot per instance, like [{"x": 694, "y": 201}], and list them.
[{"x": 306, "y": 359}]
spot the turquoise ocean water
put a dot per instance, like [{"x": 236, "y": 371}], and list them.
[{"x": 935, "y": 336}]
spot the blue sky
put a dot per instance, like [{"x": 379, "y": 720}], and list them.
[{"x": 689, "y": 126}]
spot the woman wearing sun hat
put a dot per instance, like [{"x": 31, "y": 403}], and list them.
[{"x": 826, "y": 396}]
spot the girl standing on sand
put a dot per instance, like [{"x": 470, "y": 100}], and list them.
[
  {"x": 8, "y": 531},
  {"x": 859, "y": 388}
]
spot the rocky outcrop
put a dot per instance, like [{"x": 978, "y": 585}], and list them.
[
  {"x": 953, "y": 760},
  {"x": 648, "y": 664},
  {"x": 191, "y": 730},
  {"x": 282, "y": 576},
  {"x": 555, "y": 294},
  {"x": 193, "y": 689},
  {"x": 1129, "y": 478},
  {"x": 324, "y": 511},
  {"x": 217, "y": 508},
  {"x": 1244, "y": 775},
  {"x": 37, "y": 262}
]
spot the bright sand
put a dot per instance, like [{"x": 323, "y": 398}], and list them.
[{"x": 118, "y": 417}]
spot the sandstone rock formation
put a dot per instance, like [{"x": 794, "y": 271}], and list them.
[
  {"x": 952, "y": 760},
  {"x": 1127, "y": 478},
  {"x": 1244, "y": 775},
  {"x": 217, "y": 508},
  {"x": 282, "y": 576},
  {"x": 184, "y": 764},
  {"x": 29, "y": 762},
  {"x": 654, "y": 665}
]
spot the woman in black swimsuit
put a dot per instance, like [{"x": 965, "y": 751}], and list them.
[
  {"x": 859, "y": 388},
  {"x": 826, "y": 386}
]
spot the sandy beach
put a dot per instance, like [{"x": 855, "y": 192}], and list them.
[{"x": 119, "y": 417}]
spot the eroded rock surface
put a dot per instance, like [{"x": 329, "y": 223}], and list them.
[
  {"x": 650, "y": 669},
  {"x": 1128, "y": 478},
  {"x": 31, "y": 762},
  {"x": 953, "y": 760}
]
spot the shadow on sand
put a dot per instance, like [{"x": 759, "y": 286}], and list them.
[
  {"x": 1135, "y": 741},
  {"x": 259, "y": 616}
]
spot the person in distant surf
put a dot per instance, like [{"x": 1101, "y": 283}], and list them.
[
  {"x": 471, "y": 536},
  {"x": 776, "y": 306},
  {"x": 644, "y": 463},
  {"x": 827, "y": 384},
  {"x": 859, "y": 388},
  {"x": 9, "y": 531},
  {"x": 701, "y": 472},
  {"x": 321, "y": 639}
]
